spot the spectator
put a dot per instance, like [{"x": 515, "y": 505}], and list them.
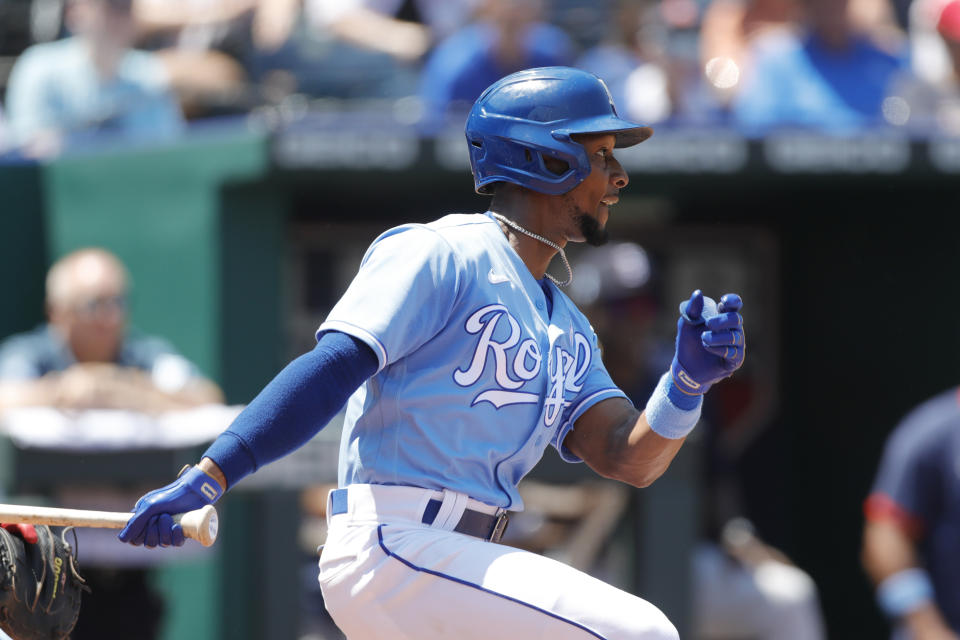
[
  {"x": 727, "y": 34},
  {"x": 830, "y": 77},
  {"x": 359, "y": 48},
  {"x": 508, "y": 36},
  {"x": 208, "y": 46},
  {"x": 404, "y": 30},
  {"x": 634, "y": 67},
  {"x": 92, "y": 83},
  {"x": 85, "y": 358},
  {"x": 731, "y": 26},
  {"x": 911, "y": 540},
  {"x": 929, "y": 59},
  {"x": 929, "y": 100}
]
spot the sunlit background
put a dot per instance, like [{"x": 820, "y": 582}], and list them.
[{"x": 239, "y": 155}]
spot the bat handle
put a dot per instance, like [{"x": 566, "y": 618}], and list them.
[{"x": 201, "y": 525}]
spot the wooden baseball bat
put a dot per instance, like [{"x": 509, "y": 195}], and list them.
[{"x": 200, "y": 525}]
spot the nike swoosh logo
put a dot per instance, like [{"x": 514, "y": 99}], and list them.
[{"x": 497, "y": 278}]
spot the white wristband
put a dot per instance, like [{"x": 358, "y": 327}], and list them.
[
  {"x": 904, "y": 592},
  {"x": 665, "y": 418}
]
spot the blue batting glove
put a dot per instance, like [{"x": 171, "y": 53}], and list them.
[
  {"x": 710, "y": 342},
  {"x": 152, "y": 522}
]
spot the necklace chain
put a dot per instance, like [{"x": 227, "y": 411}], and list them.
[{"x": 563, "y": 256}]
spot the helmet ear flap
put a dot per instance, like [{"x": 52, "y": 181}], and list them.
[
  {"x": 556, "y": 166},
  {"x": 530, "y": 165}
]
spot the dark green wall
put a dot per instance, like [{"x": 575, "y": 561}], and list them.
[{"x": 23, "y": 248}]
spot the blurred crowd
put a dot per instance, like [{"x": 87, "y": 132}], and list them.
[{"x": 148, "y": 70}]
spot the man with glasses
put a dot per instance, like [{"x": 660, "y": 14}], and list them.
[{"x": 85, "y": 357}]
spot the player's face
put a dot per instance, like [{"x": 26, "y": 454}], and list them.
[{"x": 587, "y": 206}]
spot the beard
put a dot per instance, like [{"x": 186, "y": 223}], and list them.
[{"x": 591, "y": 230}]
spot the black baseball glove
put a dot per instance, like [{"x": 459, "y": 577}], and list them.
[{"x": 40, "y": 586}]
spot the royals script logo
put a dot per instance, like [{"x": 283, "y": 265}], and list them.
[{"x": 516, "y": 362}]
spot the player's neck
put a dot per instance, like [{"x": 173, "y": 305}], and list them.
[{"x": 536, "y": 253}]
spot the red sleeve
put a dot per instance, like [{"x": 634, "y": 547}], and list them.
[{"x": 879, "y": 507}]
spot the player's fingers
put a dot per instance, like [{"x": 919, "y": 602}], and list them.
[
  {"x": 735, "y": 360},
  {"x": 729, "y": 353},
  {"x": 724, "y": 338},
  {"x": 729, "y": 320},
  {"x": 165, "y": 529},
  {"x": 152, "y": 535},
  {"x": 692, "y": 309},
  {"x": 134, "y": 529},
  {"x": 730, "y": 302},
  {"x": 176, "y": 535}
]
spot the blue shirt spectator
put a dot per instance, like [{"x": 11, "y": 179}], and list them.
[
  {"x": 802, "y": 83},
  {"x": 91, "y": 83},
  {"x": 511, "y": 38},
  {"x": 830, "y": 78},
  {"x": 632, "y": 66}
]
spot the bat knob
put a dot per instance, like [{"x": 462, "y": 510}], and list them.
[{"x": 201, "y": 525}]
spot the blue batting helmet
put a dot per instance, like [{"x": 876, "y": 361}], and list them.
[{"x": 526, "y": 115}]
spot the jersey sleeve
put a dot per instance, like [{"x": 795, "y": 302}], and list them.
[
  {"x": 402, "y": 295},
  {"x": 906, "y": 488},
  {"x": 594, "y": 385}
]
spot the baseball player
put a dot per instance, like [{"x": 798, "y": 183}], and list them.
[
  {"x": 460, "y": 360},
  {"x": 911, "y": 542}
]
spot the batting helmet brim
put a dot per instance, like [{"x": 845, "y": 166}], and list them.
[{"x": 627, "y": 133}]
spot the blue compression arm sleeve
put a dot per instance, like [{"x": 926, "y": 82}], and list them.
[{"x": 296, "y": 404}]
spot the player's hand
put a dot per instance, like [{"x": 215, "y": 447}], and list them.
[
  {"x": 710, "y": 342},
  {"x": 152, "y": 523},
  {"x": 25, "y": 531}
]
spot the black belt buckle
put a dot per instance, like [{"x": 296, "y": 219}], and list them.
[{"x": 499, "y": 527}]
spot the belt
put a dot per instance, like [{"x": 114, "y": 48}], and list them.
[{"x": 486, "y": 526}]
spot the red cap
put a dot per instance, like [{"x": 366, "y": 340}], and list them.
[{"x": 949, "y": 23}]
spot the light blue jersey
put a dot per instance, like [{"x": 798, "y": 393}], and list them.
[{"x": 476, "y": 377}]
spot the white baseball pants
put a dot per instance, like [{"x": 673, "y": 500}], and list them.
[{"x": 385, "y": 574}]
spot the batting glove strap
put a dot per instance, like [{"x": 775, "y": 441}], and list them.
[
  {"x": 201, "y": 483},
  {"x": 666, "y": 418},
  {"x": 684, "y": 381}
]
